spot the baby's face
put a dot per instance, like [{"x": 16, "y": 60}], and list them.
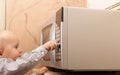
[{"x": 11, "y": 49}]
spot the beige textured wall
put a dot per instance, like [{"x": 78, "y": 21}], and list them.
[
  {"x": 2, "y": 15},
  {"x": 25, "y": 18}
]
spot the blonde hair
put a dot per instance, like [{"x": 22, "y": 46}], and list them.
[{"x": 4, "y": 35}]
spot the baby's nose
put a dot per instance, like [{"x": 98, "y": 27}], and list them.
[{"x": 20, "y": 50}]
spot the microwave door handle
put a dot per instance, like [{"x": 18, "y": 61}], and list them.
[
  {"x": 52, "y": 57},
  {"x": 52, "y": 37},
  {"x": 41, "y": 38}
]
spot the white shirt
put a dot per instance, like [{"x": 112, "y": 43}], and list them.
[{"x": 23, "y": 63}]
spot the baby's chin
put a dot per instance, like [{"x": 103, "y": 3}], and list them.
[{"x": 15, "y": 58}]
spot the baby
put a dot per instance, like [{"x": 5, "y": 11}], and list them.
[{"x": 11, "y": 60}]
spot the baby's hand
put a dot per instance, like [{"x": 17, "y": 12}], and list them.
[
  {"x": 50, "y": 45},
  {"x": 42, "y": 71}
]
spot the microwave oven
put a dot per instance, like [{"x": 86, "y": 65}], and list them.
[{"x": 89, "y": 39}]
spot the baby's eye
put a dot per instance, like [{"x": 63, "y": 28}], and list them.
[{"x": 16, "y": 46}]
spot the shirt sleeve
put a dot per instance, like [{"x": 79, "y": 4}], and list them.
[{"x": 23, "y": 63}]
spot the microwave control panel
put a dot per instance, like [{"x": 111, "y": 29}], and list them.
[{"x": 58, "y": 37}]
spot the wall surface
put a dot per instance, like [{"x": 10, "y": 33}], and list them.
[
  {"x": 2, "y": 15},
  {"x": 100, "y": 4},
  {"x": 25, "y": 17}
]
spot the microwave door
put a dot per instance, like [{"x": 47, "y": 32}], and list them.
[
  {"x": 48, "y": 33},
  {"x": 51, "y": 31}
]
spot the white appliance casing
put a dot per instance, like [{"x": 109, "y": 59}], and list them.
[{"x": 90, "y": 39}]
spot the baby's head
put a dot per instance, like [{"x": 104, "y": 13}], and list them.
[{"x": 9, "y": 45}]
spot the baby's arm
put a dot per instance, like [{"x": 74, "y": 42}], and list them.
[{"x": 26, "y": 61}]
